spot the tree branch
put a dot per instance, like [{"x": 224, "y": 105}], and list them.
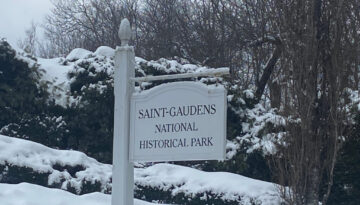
[{"x": 269, "y": 67}]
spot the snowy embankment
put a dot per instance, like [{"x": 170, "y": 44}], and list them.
[
  {"x": 30, "y": 194},
  {"x": 74, "y": 171}
]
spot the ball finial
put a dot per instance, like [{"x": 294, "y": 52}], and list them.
[{"x": 125, "y": 32}]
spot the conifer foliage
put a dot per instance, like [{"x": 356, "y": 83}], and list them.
[
  {"x": 18, "y": 84},
  {"x": 24, "y": 106}
]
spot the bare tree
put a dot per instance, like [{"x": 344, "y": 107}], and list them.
[
  {"x": 316, "y": 68},
  {"x": 29, "y": 43},
  {"x": 87, "y": 23}
]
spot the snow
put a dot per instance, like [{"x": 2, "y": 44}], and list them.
[
  {"x": 78, "y": 53},
  {"x": 105, "y": 51},
  {"x": 191, "y": 182},
  {"x": 30, "y": 194},
  {"x": 259, "y": 118},
  {"x": 174, "y": 178},
  {"x": 231, "y": 149},
  {"x": 56, "y": 74},
  {"x": 57, "y": 70},
  {"x": 42, "y": 159},
  {"x": 172, "y": 66},
  {"x": 249, "y": 94},
  {"x": 199, "y": 85},
  {"x": 24, "y": 57},
  {"x": 354, "y": 98}
]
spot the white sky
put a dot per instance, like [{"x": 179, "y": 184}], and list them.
[{"x": 16, "y": 17}]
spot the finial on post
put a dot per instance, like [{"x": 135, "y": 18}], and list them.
[{"x": 125, "y": 32}]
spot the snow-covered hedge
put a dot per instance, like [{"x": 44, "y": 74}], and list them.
[
  {"x": 26, "y": 161},
  {"x": 24, "y": 193},
  {"x": 184, "y": 185}
]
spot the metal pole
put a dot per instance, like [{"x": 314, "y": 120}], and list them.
[{"x": 123, "y": 169}]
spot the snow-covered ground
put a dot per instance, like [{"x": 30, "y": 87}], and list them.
[
  {"x": 174, "y": 178},
  {"x": 30, "y": 194}
]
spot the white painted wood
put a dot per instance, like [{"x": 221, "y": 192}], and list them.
[
  {"x": 125, "y": 32},
  {"x": 123, "y": 170},
  {"x": 178, "y": 121},
  {"x": 217, "y": 72}
]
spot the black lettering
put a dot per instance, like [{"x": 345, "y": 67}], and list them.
[
  {"x": 207, "y": 109},
  {"x": 194, "y": 128},
  {"x": 141, "y": 114},
  {"x": 142, "y": 144},
  {"x": 209, "y": 141},
  {"x": 163, "y": 129},
  {"x": 181, "y": 143},
  {"x": 186, "y": 110},
  {"x": 163, "y": 111},
  {"x": 183, "y": 127},
  {"x": 167, "y": 143},
  {"x": 192, "y": 110},
  {"x": 146, "y": 114},
  {"x": 199, "y": 110},
  {"x": 213, "y": 109},
  {"x": 173, "y": 143},
  {"x": 158, "y": 128},
  {"x": 176, "y": 127},
  {"x": 156, "y": 111},
  {"x": 193, "y": 140},
  {"x": 172, "y": 111},
  {"x": 179, "y": 112},
  {"x": 155, "y": 144},
  {"x": 150, "y": 144},
  {"x": 161, "y": 143},
  {"x": 203, "y": 141}
]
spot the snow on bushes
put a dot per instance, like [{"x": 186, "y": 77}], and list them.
[
  {"x": 63, "y": 169},
  {"x": 78, "y": 53},
  {"x": 74, "y": 171},
  {"x": 98, "y": 68},
  {"x": 205, "y": 187},
  {"x": 93, "y": 72},
  {"x": 259, "y": 130},
  {"x": 105, "y": 51}
]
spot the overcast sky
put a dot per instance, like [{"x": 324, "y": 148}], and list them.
[{"x": 16, "y": 17}]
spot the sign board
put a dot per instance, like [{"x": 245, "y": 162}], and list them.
[{"x": 178, "y": 121}]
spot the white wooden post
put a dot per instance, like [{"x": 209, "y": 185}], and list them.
[{"x": 123, "y": 169}]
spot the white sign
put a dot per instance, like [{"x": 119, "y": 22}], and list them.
[{"x": 177, "y": 122}]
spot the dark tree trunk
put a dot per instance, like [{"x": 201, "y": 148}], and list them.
[{"x": 269, "y": 68}]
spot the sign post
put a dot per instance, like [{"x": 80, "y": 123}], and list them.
[
  {"x": 123, "y": 169},
  {"x": 171, "y": 122}
]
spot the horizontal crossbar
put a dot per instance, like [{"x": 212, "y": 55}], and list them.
[{"x": 215, "y": 72}]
